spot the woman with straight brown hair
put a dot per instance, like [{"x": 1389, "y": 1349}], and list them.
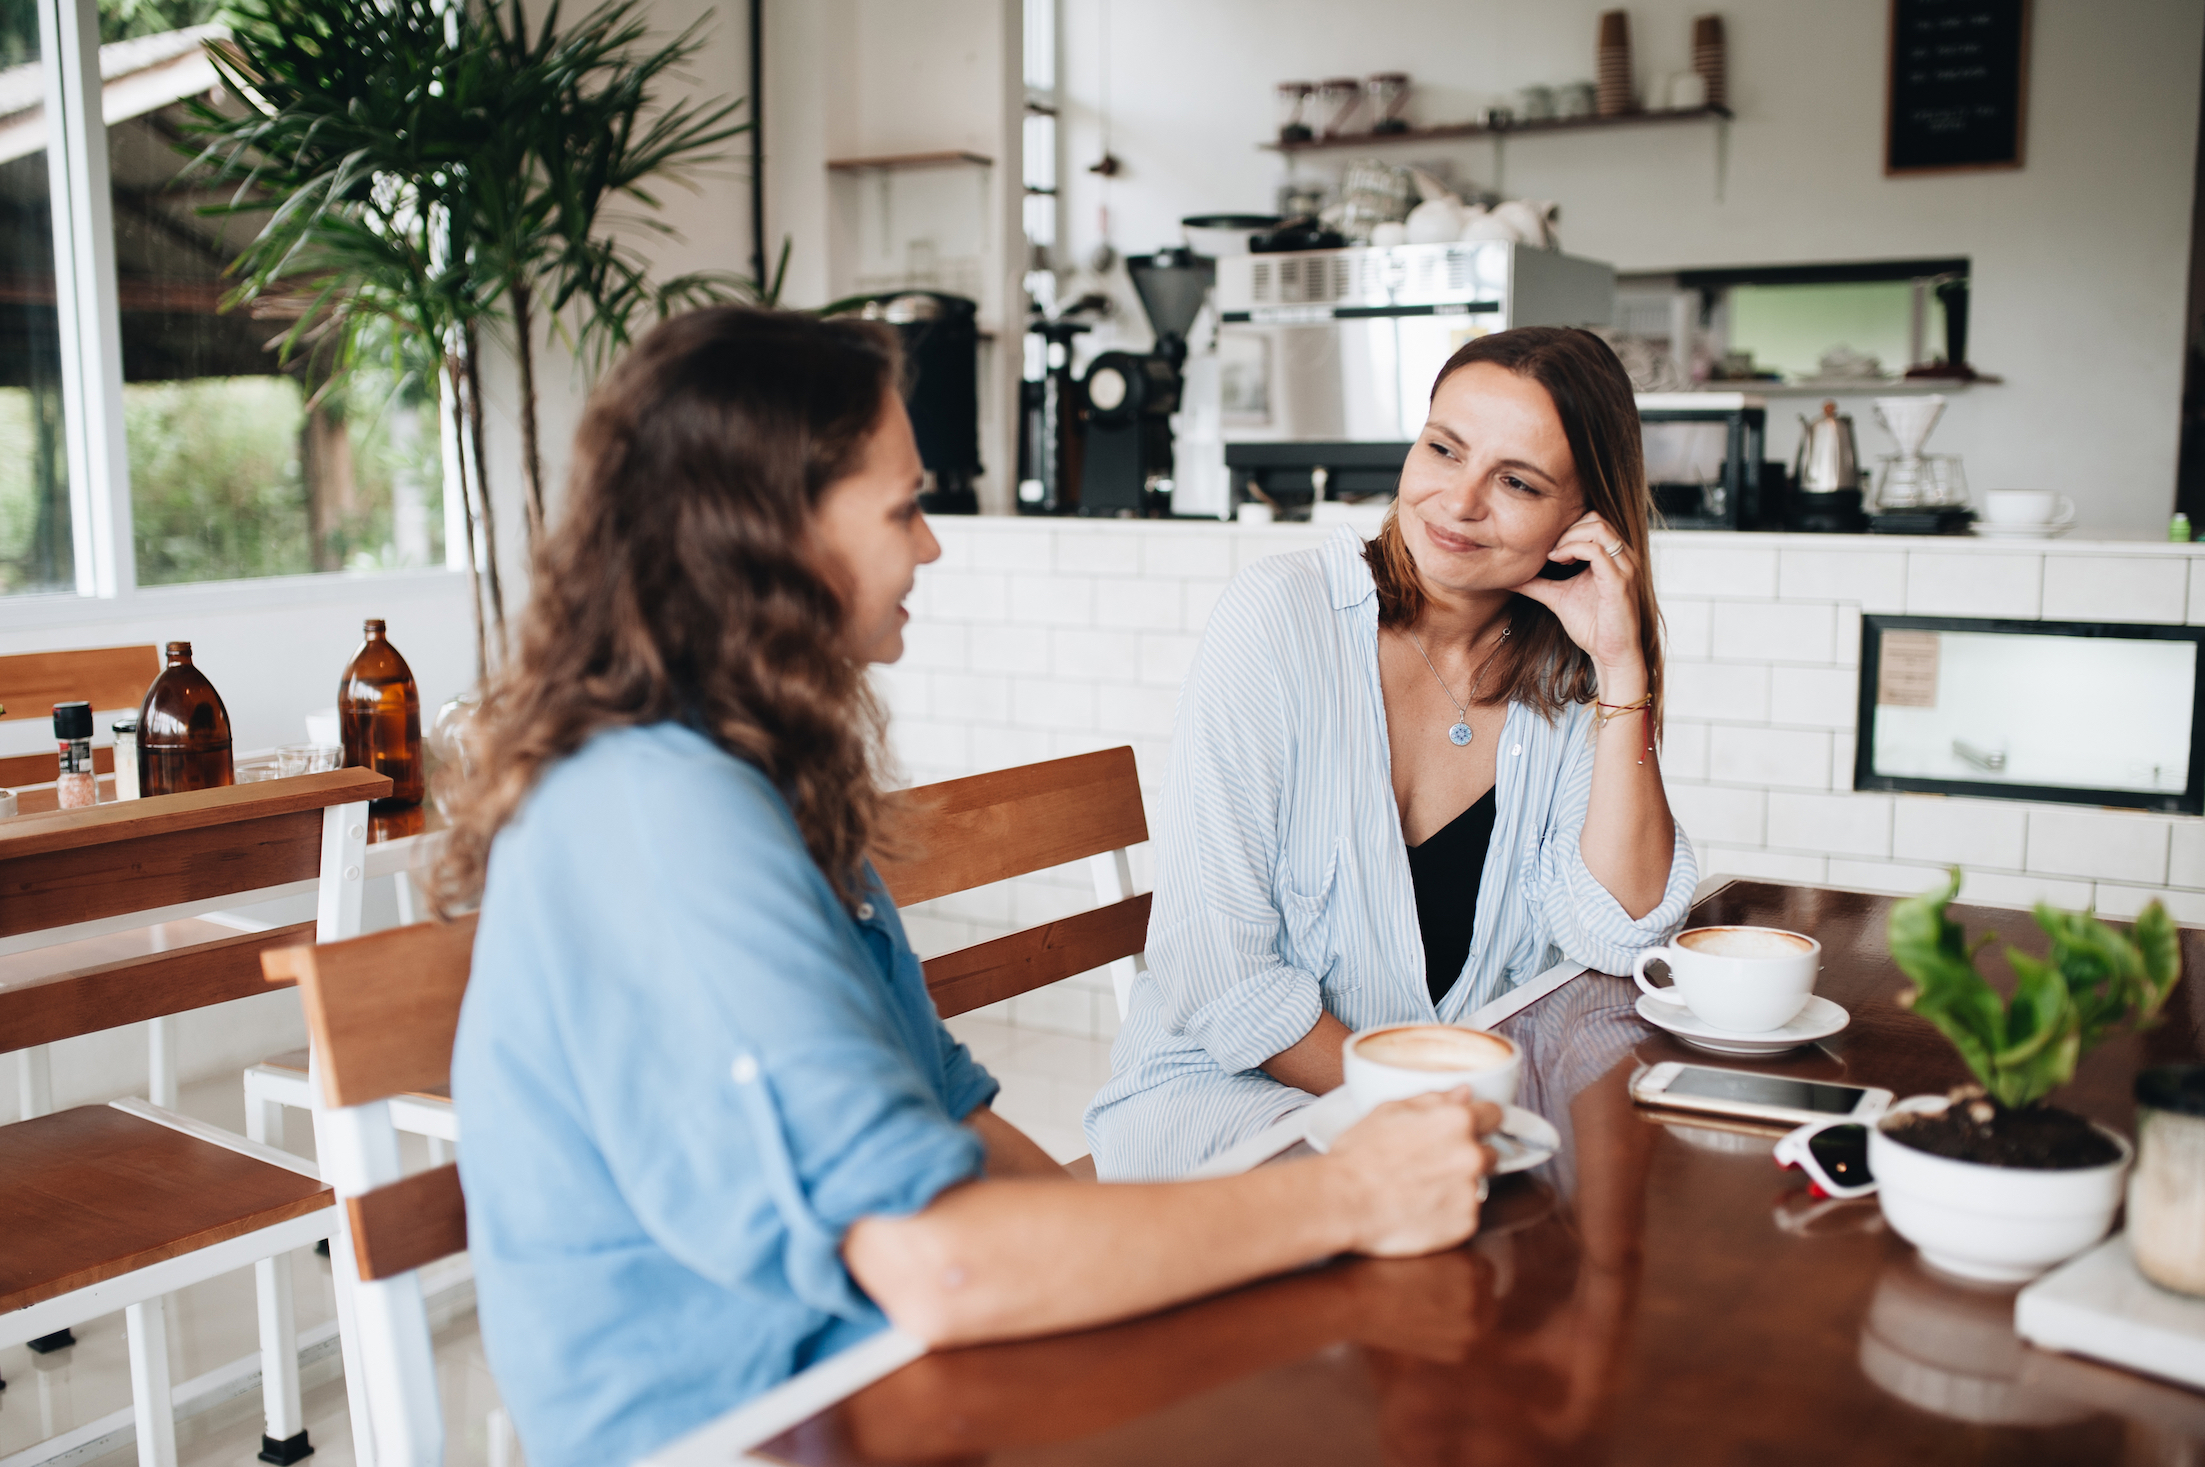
[
  {"x": 1408, "y": 776},
  {"x": 715, "y": 1130}
]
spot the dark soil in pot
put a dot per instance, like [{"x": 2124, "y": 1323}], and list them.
[{"x": 1978, "y": 1129}]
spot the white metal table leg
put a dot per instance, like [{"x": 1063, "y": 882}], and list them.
[
  {"x": 408, "y": 905},
  {"x": 147, "y": 1324},
  {"x": 160, "y": 1068},
  {"x": 279, "y": 1353}
]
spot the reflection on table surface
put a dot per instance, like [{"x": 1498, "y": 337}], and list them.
[{"x": 1660, "y": 1293}]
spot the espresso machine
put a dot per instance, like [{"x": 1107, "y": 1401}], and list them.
[
  {"x": 1128, "y": 398},
  {"x": 941, "y": 389},
  {"x": 1326, "y": 358}
]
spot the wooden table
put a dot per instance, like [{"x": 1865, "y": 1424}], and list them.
[{"x": 1660, "y": 1293}]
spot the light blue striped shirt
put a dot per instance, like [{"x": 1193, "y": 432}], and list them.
[{"x": 1282, "y": 885}]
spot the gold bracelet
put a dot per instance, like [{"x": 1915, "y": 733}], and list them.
[{"x": 1606, "y": 713}]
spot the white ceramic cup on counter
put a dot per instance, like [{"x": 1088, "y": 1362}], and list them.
[
  {"x": 2027, "y": 507},
  {"x": 1400, "y": 1060},
  {"x": 1745, "y": 979}
]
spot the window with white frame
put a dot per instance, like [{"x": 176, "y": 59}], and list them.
[
  {"x": 1042, "y": 210},
  {"x": 147, "y": 436}
]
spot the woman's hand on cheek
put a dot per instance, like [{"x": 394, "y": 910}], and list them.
[{"x": 1598, "y": 607}]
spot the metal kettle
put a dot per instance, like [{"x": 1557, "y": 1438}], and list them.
[{"x": 1829, "y": 459}]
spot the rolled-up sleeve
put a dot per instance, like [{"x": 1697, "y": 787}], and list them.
[
  {"x": 1217, "y": 932},
  {"x": 1581, "y": 916}
]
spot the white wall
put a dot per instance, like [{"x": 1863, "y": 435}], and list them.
[{"x": 2080, "y": 258}]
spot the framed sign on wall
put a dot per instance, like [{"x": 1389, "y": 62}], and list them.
[{"x": 1958, "y": 85}]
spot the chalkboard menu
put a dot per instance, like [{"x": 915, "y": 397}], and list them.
[{"x": 1959, "y": 88}]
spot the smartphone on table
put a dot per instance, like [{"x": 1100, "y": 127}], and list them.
[{"x": 1750, "y": 1095}]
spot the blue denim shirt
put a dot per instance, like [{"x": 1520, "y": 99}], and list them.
[{"x": 683, "y": 1070}]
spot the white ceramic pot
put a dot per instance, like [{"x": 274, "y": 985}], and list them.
[{"x": 2000, "y": 1223}]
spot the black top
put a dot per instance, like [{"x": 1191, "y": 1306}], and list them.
[{"x": 1446, "y": 870}]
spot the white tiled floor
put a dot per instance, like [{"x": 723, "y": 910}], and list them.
[{"x": 1047, "y": 1082}]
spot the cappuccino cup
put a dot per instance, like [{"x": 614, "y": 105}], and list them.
[
  {"x": 1401, "y": 1060},
  {"x": 1746, "y": 979}
]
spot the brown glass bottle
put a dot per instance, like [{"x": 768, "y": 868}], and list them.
[
  {"x": 379, "y": 717},
  {"x": 183, "y": 730}
]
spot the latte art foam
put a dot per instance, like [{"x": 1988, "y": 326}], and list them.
[
  {"x": 1435, "y": 1047},
  {"x": 1744, "y": 942}
]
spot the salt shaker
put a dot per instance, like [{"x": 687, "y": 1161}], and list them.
[
  {"x": 2166, "y": 1191},
  {"x": 125, "y": 730},
  {"x": 77, "y": 787}
]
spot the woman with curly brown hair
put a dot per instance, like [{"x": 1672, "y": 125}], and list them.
[{"x": 715, "y": 1130}]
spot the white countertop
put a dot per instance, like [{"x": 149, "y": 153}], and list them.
[{"x": 2099, "y": 543}]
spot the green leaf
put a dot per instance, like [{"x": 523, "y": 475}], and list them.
[
  {"x": 1949, "y": 992},
  {"x": 2042, "y": 1034},
  {"x": 2159, "y": 949}
]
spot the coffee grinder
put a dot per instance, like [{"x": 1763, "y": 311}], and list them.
[{"x": 1128, "y": 398}]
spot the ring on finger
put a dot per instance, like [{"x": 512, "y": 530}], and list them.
[{"x": 1613, "y": 548}]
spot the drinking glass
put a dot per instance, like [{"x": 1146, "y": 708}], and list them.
[{"x": 295, "y": 759}]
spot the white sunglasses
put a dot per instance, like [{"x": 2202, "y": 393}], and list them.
[{"x": 1833, "y": 1154}]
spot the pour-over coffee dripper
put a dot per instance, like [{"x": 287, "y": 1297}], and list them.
[{"x": 1906, "y": 481}]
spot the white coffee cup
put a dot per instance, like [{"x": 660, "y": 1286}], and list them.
[
  {"x": 1746, "y": 979},
  {"x": 1397, "y": 1061},
  {"x": 2027, "y": 507}
]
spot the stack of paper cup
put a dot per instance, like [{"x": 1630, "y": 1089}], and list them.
[
  {"x": 1614, "y": 70},
  {"x": 1709, "y": 58}
]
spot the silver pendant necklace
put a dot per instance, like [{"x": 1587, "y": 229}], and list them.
[{"x": 1460, "y": 735}]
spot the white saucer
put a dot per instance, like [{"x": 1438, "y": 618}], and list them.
[
  {"x": 1531, "y": 1139},
  {"x": 1991, "y": 530},
  {"x": 1818, "y": 1020}
]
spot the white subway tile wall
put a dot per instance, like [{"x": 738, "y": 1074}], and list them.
[
  {"x": 1957, "y": 584},
  {"x": 2115, "y": 588},
  {"x": 1032, "y": 639}
]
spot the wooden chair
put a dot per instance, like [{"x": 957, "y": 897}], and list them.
[
  {"x": 114, "y": 1207},
  {"x": 966, "y": 833},
  {"x": 108, "y": 678},
  {"x": 381, "y": 1013},
  {"x": 31, "y": 683}
]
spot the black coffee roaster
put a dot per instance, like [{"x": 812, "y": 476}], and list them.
[
  {"x": 1127, "y": 398},
  {"x": 941, "y": 375}
]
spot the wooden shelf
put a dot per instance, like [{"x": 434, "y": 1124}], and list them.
[
  {"x": 1513, "y": 129},
  {"x": 910, "y": 160},
  {"x": 1856, "y": 386}
]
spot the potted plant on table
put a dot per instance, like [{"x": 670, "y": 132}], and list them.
[{"x": 1989, "y": 1181}]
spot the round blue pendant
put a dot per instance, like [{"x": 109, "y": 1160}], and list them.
[{"x": 1459, "y": 735}]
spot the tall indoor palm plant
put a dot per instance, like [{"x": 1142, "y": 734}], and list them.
[{"x": 428, "y": 172}]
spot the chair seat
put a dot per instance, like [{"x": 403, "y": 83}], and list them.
[{"x": 93, "y": 1193}]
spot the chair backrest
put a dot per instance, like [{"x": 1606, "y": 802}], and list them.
[
  {"x": 381, "y": 1012},
  {"x": 105, "y": 677},
  {"x": 72, "y": 880},
  {"x": 964, "y": 833}
]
